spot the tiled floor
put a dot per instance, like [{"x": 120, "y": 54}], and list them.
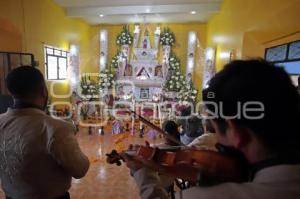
[{"x": 103, "y": 181}]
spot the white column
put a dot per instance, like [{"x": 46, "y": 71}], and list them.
[
  {"x": 103, "y": 49},
  {"x": 209, "y": 66},
  {"x": 73, "y": 69},
  {"x": 156, "y": 37},
  {"x": 192, "y": 39},
  {"x": 136, "y": 35}
]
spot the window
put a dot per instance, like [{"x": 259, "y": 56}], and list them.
[
  {"x": 9, "y": 61},
  {"x": 286, "y": 56},
  {"x": 56, "y": 61}
]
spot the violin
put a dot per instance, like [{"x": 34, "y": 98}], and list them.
[
  {"x": 153, "y": 126},
  {"x": 199, "y": 166},
  {"x": 203, "y": 167}
]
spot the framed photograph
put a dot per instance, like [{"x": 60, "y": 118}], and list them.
[{"x": 144, "y": 93}]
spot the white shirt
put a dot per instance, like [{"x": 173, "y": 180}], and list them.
[
  {"x": 276, "y": 182},
  {"x": 39, "y": 155},
  {"x": 207, "y": 141}
]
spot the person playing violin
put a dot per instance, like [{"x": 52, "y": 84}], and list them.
[
  {"x": 254, "y": 109},
  {"x": 171, "y": 128}
]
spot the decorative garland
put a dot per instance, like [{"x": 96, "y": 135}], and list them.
[
  {"x": 115, "y": 61},
  {"x": 124, "y": 38},
  {"x": 167, "y": 38},
  {"x": 187, "y": 93},
  {"x": 178, "y": 83},
  {"x": 89, "y": 88},
  {"x": 106, "y": 80},
  {"x": 174, "y": 62},
  {"x": 175, "y": 81}
]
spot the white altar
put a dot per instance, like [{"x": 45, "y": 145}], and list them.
[{"x": 141, "y": 73}]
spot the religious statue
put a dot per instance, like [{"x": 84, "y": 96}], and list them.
[
  {"x": 109, "y": 100},
  {"x": 121, "y": 90},
  {"x": 145, "y": 43},
  {"x": 128, "y": 70},
  {"x": 158, "y": 71}
]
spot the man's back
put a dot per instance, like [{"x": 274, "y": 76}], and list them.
[{"x": 38, "y": 155}]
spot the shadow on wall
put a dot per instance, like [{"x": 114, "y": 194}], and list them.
[
  {"x": 10, "y": 37},
  {"x": 10, "y": 41}
]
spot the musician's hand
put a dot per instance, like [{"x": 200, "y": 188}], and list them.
[
  {"x": 133, "y": 163},
  {"x": 136, "y": 162}
]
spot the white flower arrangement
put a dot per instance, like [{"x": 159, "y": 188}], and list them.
[
  {"x": 187, "y": 93},
  {"x": 115, "y": 61},
  {"x": 125, "y": 38},
  {"x": 167, "y": 38},
  {"x": 174, "y": 63},
  {"x": 89, "y": 88},
  {"x": 106, "y": 80},
  {"x": 175, "y": 81}
]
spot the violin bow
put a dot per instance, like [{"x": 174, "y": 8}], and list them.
[{"x": 153, "y": 126}]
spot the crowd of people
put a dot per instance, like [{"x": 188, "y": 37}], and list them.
[{"x": 39, "y": 155}]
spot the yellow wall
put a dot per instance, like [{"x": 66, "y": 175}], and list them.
[
  {"x": 38, "y": 22},
  {"x": 249, "y": 26},
  {"x": 11, "y": 26},
  {"x": 26, "y": 25},
  {"x": 180, "y": 48},
  {"x": 245, "y": 26}
]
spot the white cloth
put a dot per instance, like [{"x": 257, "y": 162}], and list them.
[
  {"x": 276, "y": 182},
  {"x": 39, "y": 155},
  {"x": 206, "y": 141}
]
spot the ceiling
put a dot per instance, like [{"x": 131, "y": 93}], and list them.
[{"x": 141, "y": 11}]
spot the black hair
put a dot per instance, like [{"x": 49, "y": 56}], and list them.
[
  {"x": 186, "y": 111},
  {"x": 171, "y": 128},
  {"x": 260, "y": 81},
  {"x": 209, "y": 127},
  {"x": 24, "y": 81}
]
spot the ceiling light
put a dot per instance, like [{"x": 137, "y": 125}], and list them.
[
  {"x": 101, "y": 15},
  {"x": 148, "y": 10},
  {"x": 193, "y": 12}
]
